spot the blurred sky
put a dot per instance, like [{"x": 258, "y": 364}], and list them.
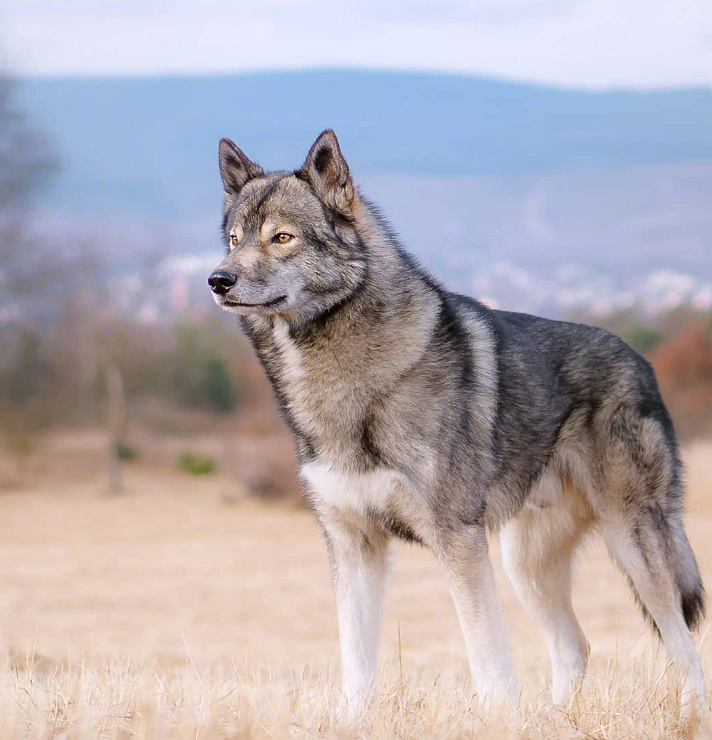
[{"x": 582, "y": 43}]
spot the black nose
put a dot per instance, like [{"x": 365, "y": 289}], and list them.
[{"x": 221, "y": 281}]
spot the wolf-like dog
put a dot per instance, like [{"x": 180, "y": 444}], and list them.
[{"x": 423, "y": 415}]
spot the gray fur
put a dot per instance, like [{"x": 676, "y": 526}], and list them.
[{"x": 423, "y": 414}]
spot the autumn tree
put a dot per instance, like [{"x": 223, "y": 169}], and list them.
[{"x": 683, "y": 365}]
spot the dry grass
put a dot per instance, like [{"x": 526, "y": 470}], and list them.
[
  {"x": 117, "y": 700},
  {"x": 169, "y": 613}
]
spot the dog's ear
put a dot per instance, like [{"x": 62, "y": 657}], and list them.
[
  {"x": 236, "y": 169},
  {"x": 326, "y": 170}
]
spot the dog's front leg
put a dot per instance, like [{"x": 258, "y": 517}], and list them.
[
  {"x": 464, "y": 554},
  {"x": 359, "y": 562}
]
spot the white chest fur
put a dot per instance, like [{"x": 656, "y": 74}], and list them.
[
  {"x": 289, "y": 351},
  {"x": 358, "y": 493}
]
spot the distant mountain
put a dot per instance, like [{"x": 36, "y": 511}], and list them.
[
  {"x": 148, "y": 145},
  {"x": 536, "y": 198}
]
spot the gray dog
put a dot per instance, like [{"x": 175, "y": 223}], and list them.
[{"x": 424, "y": 415}]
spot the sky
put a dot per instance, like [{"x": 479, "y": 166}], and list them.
[{"x": 574, "y": 43}]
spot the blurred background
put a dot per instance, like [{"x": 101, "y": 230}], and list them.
[
  {"x": 550, "y": 156},
  {"x": 545, "y": 156}
]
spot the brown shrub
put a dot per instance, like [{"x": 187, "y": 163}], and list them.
[{"x": 683, "y": 365}]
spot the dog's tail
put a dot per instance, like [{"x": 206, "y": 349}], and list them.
[
  {"x": 687, "y": 576},
  {"x": 649, "y": 543},
  {"x": 680, "y": 562}
]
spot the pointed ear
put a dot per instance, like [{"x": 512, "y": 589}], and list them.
[
  {"x": 326, "y": 170},
  {"x": 235, "y": 168}
]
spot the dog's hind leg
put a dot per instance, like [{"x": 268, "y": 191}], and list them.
[
  {"x": 644, "y": 549},
  {"x": 538, "y": 547},
  {"x": 637, "y": 497},
  {"x": 464, "y": 554}
]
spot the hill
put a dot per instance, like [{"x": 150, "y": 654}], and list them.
[
  {"x": 494, "y": 184},
  {"x": 148, "y": 144}
]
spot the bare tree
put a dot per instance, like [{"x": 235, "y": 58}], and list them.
[
  {"x": 116, "y": 417},
  {"x": 25, "y": 156},
  {"x": 26, "y": 165}
]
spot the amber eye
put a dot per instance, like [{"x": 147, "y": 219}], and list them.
[
  {"x": 282, "y": 238},
  {"x": 234, "y": 240}
]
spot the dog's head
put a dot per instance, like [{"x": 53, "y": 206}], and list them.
[{"x": 291, "y": 237}]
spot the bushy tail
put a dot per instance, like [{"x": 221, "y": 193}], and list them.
[
  {"x": 687, "y": 578},
  {"x": 667, "y": 546}
]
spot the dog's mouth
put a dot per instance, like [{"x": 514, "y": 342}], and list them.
[{"x": 266, "y": 304}]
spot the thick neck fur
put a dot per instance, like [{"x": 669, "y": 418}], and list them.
[
  {"x": 389, "y": 300},
  {"x": 333, "y": 373}
]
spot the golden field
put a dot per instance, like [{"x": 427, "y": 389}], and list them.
[{"x": 184, "y": 609}]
